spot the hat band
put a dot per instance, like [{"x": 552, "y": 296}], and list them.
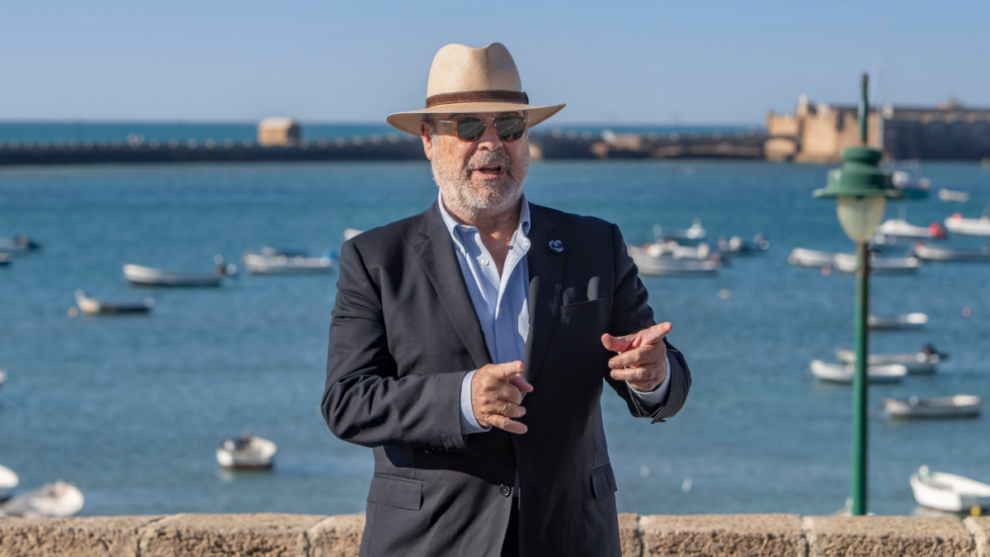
[{"x": 517, "y": 97}]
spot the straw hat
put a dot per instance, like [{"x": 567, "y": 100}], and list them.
[{"x": 471, "y": 80}]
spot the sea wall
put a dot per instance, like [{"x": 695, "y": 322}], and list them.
[{"x": 288, "y": 535}]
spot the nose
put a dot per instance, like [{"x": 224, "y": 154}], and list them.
[{"x": 489, "y": 140}]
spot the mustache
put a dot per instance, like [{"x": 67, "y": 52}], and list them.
[{"x": 486, "y": 158}]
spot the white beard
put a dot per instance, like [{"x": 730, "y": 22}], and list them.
[{"x": 463, "y": 196}]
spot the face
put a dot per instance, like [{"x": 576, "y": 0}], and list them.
[{"x": 485, "y": 175}]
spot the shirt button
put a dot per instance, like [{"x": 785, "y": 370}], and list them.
[
  {"x": 499, "y": 314},
  {"x": 505, "y": 490},
  {"x": 484, "y": 262},
  {"x": 463, "y": 252}
]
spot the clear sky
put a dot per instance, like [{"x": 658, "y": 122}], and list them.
[{"x": 658, "y": 62}]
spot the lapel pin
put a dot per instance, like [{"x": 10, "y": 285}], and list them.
[{"x": 557, "y": 245}]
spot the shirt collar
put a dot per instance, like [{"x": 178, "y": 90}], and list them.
[{"x": 453, "y": 226}]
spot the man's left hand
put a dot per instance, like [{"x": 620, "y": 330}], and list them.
[{"x": 642, "y": 359}]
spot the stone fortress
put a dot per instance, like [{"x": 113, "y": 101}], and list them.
[{"x": 819, "y": 132}]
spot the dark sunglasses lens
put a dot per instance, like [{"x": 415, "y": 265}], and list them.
[
  {"x": 510, "y": 128},
  {"x": 470, "y": 128}
]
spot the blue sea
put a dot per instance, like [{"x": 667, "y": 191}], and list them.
[
  {"x": 312, "y": 131},
  {"x": 131, "y": 409}
]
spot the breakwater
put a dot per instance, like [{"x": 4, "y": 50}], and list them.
[
  {"x": 544, "y": 146},
  {"x": 289, "y": 535}
]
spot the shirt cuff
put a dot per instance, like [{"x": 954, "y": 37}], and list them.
[
  {"x": 651, "y": 399},
  {"x": 469, "y": 424}
]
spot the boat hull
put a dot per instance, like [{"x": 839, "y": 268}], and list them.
[{"x": 147, "y": 276}]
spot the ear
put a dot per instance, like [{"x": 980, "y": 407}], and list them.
[{"x": 426, "y": 134}]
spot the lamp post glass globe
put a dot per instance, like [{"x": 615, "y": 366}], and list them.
[{"x": 860, "y": 216}]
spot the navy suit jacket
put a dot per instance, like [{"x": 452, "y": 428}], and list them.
[{"x": 402, "y": 337}]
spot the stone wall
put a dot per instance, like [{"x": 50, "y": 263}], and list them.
[{"x": 287, "y": 535}]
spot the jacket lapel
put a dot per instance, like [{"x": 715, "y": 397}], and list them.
[
  {"x": 546, "y": 272},
  {"x": 436, "y": 253}
]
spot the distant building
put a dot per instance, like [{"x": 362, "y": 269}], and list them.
[
  {"x": 278, "y": 132},
  {"x": 820, "y": 132}
]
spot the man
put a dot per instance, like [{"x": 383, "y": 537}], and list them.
[{"x": 469, "y": 343}]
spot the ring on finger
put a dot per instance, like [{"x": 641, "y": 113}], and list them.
[{"x": 505, "y": 406}]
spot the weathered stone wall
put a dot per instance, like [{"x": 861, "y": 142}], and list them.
[{"x": 287, "y": 535}]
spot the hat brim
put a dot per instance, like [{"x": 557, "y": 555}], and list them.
[{"x": 409, "y": 121}]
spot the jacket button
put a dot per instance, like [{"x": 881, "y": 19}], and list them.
[{"x": 505, "y": 490}]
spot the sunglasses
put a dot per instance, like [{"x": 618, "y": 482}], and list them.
[{"x": 470, "y": 128}]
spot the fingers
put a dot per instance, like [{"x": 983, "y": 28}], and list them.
[
  {"x": 504, "y": 372},
  {"x": 655, "y": 334},
  {"x": 616, "y": 344},
  {"x": 506, "y": 424},
  {"x": 643, "y": 356},
  {"x": 634, "y": 374},
  {"x": 519, "y": 382}
]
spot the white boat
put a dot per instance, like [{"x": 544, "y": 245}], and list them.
[
  {"x": 18, "y": 245},
  {"x": 737, "y": 246},
  {"x": 288, "y": 252},
  {"x": 673, "y": 250},
  {"x": 350, "y": 233},
  {"x": 912, "y": 187},
  {"x": 8, "y": 481},
  {"x": 958, "y": 406},
  {"x": 691, "y": 235},
  {"x": 246, "y": 452},
  {"x": 283, "y": 265},
  {"x": 148, "y": 276},
  {"x": 3, "y": 377},
  {"x": 948, "y": 492},
  {"x": 92, "y": 306},
  {"x": 57, "y": 500},
  {"x": 848, "y": 263},
  {"x": 903, "y": 229},
  {"x": 841, "y": 373},
  {"x": 920, "y": 363},
  {"x": 969, "y": 227},
  {"x": 932, "y": 253},
  {"x": 953, "y": 196},
  {"x": 667, "y": 267},
  {"x": 903, "y": 322},
  {"x": 810, "y": 258},
  {"x": 5, "y": 259}
]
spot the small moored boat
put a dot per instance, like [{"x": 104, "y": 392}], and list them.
[
  {"x": 57, "y": 500},
  {"x": 948, "y": 492},
  {"x": 18, "y": 245},
  {"x": 958, "y": 406},
  {"x": 92, "y": 306},
  {"x": 285, "y": 265},
  {"x": 847, "y": 263},
  {"x": 969, "y": 227},
  {"x": 737, "y": 246},
  {"x": 149, "y": 276},
  {"x": 932, "y": 253},
  {"x": 288, "y": 252},
  {"x": 246, "y": 452},
  {"x": 673, "y": 250},
  {"x": 801, "y": 257},
  {"x": 5, "y": 259},
  {"x": 920, "y": 363},
  {"x": 903, "y": 229},
  {"x": 841, "y": 373},
  {"x": 902, "y": 322},
  {"x": 3, "y": 377},
  {"x": 692, "y": 235},
  {"x": 8, "y": 481},
  {"x": 913, "y": 188},
  {"x": 950, "y": 196},
  {"x": 667, "y": 267}
]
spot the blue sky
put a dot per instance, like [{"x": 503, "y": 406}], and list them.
[{"x": 692, "y": 62}]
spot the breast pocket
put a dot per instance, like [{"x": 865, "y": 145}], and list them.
[{"x": 579, "y": 310}]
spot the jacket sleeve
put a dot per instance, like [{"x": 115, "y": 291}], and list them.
[
  {"x": 364, "y": 400},
  {"x": 631, "y": 313}
]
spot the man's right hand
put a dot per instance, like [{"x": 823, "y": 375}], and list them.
[{"x": 496, "y": 392}]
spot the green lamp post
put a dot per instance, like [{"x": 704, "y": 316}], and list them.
[{"x": 862, "y": 190}]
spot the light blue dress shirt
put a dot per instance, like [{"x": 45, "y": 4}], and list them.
[{"x": 502, "y": 303}]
